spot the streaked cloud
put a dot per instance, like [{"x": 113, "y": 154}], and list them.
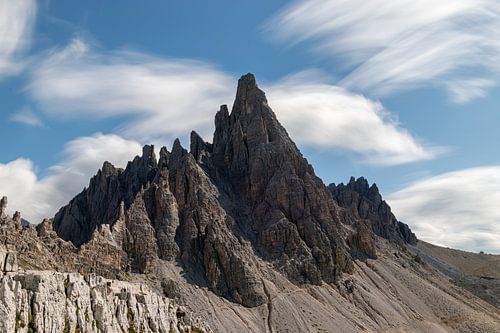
[
  {"x": 16, "y": 23},
  {"x": 27, "y": 117},
  {"x": 322, "y": 115},
  {"x": 456, "y": 209},
  {"x": 38, "y": 197},
  {"x": 403, "y": 44},
  {"x": 160, "y": 99},
  {"x": 463, "y": 91}
]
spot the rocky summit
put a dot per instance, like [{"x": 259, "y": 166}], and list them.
[
  {"x": 367, "y": 209},
  {"x": 239, "y": 231},
  {"x": 248, "y": 194}
]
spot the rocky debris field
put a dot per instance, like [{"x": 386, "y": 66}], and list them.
[{"x": 48, "y": 301}]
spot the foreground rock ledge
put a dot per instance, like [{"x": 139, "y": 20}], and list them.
[{"x": 46, "y": 301}]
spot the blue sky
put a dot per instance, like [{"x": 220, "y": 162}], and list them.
[{"x": 405, "y": 94}]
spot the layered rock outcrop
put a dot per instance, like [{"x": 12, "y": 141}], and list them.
[
  {"x": 3, "y": 205},
  {"x": 47, "y": 301},
  {"x": 8, "y": 261},
  {"x": 286, "y": 205},
  {"x": 365, "y": 203},
  {"x": 52, "y": 301}
]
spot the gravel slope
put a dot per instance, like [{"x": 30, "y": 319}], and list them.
[{"x": 477, "y": 272}]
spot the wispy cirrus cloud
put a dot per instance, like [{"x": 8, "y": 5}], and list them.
[
  {"x": 403, "y": 44},
  {"x": 27, "y": 117},
  {"x": 463, "y": 91},
  {"x": 16, "y": 24},
  {"x": 322, "y": 115},
  {"x": 160, "y": 99},
  {"x": 37, "y": 198},
  {"x": 456, "y": 209}
]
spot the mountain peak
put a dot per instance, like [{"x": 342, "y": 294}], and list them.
[
  {"x": 366, "y": 203},
  {"x": 177, "y": 150},
  {"x": 249, "y": 98},
  {"x": 247, "y": 83},
  {"x": 3, "y": 206},
  {"x": 148, "y": 152},
  {"x": 252, "y": 183}
]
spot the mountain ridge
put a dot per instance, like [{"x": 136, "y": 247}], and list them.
[
  {"x": 247, "y": 174},
  {"x": 244, "y": 220}
]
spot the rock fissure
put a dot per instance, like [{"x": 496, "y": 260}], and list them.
[{"x": 269, "y": 319}]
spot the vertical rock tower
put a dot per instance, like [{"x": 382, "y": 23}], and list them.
[{"x": 221, "y": 210}]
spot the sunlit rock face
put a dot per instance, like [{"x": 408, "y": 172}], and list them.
[{"x": 47, "y": 301}]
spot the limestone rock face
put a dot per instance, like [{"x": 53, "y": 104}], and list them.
[
  {"x": 362, "y": 243},
  {"x": 45, "y": 301},
  {"x": 280, "y": 200},
  {"x": 205, "y": 234},
  {"x": 100, "y": 203},
  {"x": 243, "y": 220},
  {"x": 364, "y": 202},
  {"x": 8, "y": 261},
  {"x": 3, "y": 205},
  {"x": 219, "y": 208},
  {"x": 225, "y": 208}
]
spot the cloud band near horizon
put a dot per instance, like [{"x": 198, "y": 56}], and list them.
[{"x": 456, "y": 209}]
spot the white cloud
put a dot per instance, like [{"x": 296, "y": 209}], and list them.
[
  {"x": 322, "y": 115},
  {"x": 37, "y": 198},
  {"x": 160, "y": 96},
  {"x": 463, "y": 91},
  {"x": 165, "y": 98},
  {"x": 399, "y": 44},
  {"x": 27, "y": 117},
  {"x": 16, "y": 21},
  {"x": 458, "y": 209}
]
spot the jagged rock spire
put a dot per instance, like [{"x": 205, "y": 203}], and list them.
[
  {"x": 164, "y": 157},
  {"x": 365, "y": 202},
  {"x": 289, "y": 204},
  {"x": 17, "y": 217},
  {"x": 215, "y": 208},
  {"x": 177, "y": 150},
  {"x": 249, "y": 97},
  {"x": 3, "y": 206},
  {"x": 200, "y": 149}
]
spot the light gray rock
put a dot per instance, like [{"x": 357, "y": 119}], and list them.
[
  {"x": 3, "y": 256},
  {"x": 17, "y": 218},
  {"x": 53, "y": 302},
  {"x": 3, "y": 205},
  {"x": 10, "y": 262}
]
